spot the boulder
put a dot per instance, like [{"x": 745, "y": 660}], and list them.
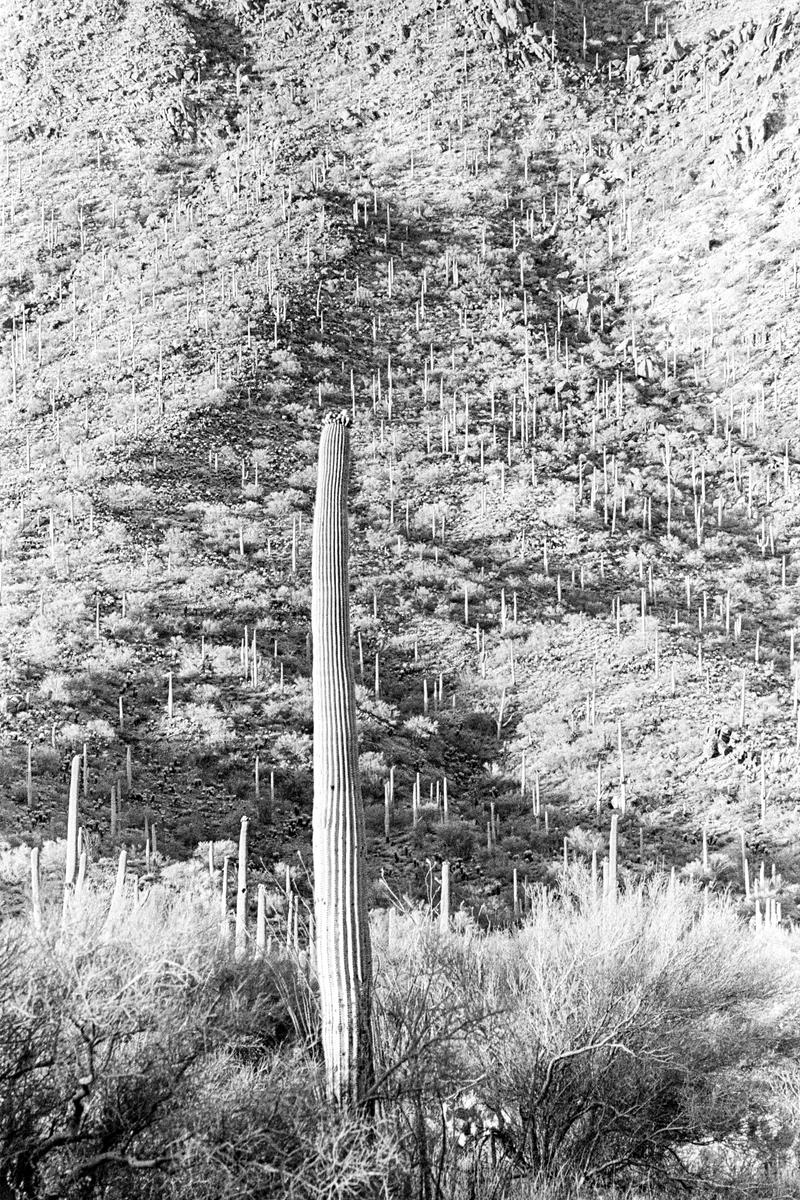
[{"x": 675, "y": 51}]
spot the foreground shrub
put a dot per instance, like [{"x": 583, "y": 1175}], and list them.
[
  {"x": 266, "y": 1131},
  {"x": 597, "y": 1042},
  {"x": 142, "y": 1060},
  {"x": 642, "y": 1043}
]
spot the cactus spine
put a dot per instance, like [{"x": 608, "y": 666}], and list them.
[{"x": 342, "y": 932}]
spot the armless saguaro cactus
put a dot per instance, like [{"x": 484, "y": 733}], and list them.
[{"x": 343, "y": 954}]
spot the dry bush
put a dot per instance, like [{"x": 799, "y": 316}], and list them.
[
  {"x": 597, "y": 1042},
  {"x": 111, "y": 1075},
  {"x": 643, "y": 1043}
]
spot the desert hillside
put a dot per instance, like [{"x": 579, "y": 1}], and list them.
[{"x": 552, "y": 270}]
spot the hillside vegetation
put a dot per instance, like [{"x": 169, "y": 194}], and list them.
[{"x": 552, "y": 270}]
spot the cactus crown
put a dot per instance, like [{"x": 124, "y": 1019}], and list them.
[{"x": 342, "y": 417}]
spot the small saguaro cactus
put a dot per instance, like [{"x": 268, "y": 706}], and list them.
[
  {"x": 73, "y": 839},
  {"x": 444, "y": 906},
  {"x": 241, "y": 892},
  {"x": 343, "y": 954}
]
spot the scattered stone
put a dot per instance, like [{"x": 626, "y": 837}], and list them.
[
  {"x": 675, "y": 51},
  {"x": 724, "y": 739},
  {"x": 584, "y": 304},
  {"x": 596, "y": 191}
]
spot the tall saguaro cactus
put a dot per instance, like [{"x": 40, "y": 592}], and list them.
[{"x": 343, "y": 953}]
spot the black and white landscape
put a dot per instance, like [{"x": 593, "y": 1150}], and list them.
[{"x": 399, "y": 565}]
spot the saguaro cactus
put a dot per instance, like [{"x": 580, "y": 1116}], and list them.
[
  {"x": 73, "y": 836},
  {"x": 343, "y": 954},
  {"x": 241, "y": 892}
]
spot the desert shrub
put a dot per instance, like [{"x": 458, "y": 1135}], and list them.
[
  {"x": 263, "y": 1131},
  {"x": 112, "y": 1038},
  {"x": 635, "y": 1043},
  {"x": 283, "y": 504},
  {"x": 374, "y": 818},
  {"x": 123, "y": 497},
  {"x": 610, "y": 1041},
  {"x": 456, "y": 840},
  {"x": 207, "y": 726},
  {"x": 373, "y": 770},
  {"x": 55, "y": 686}
]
